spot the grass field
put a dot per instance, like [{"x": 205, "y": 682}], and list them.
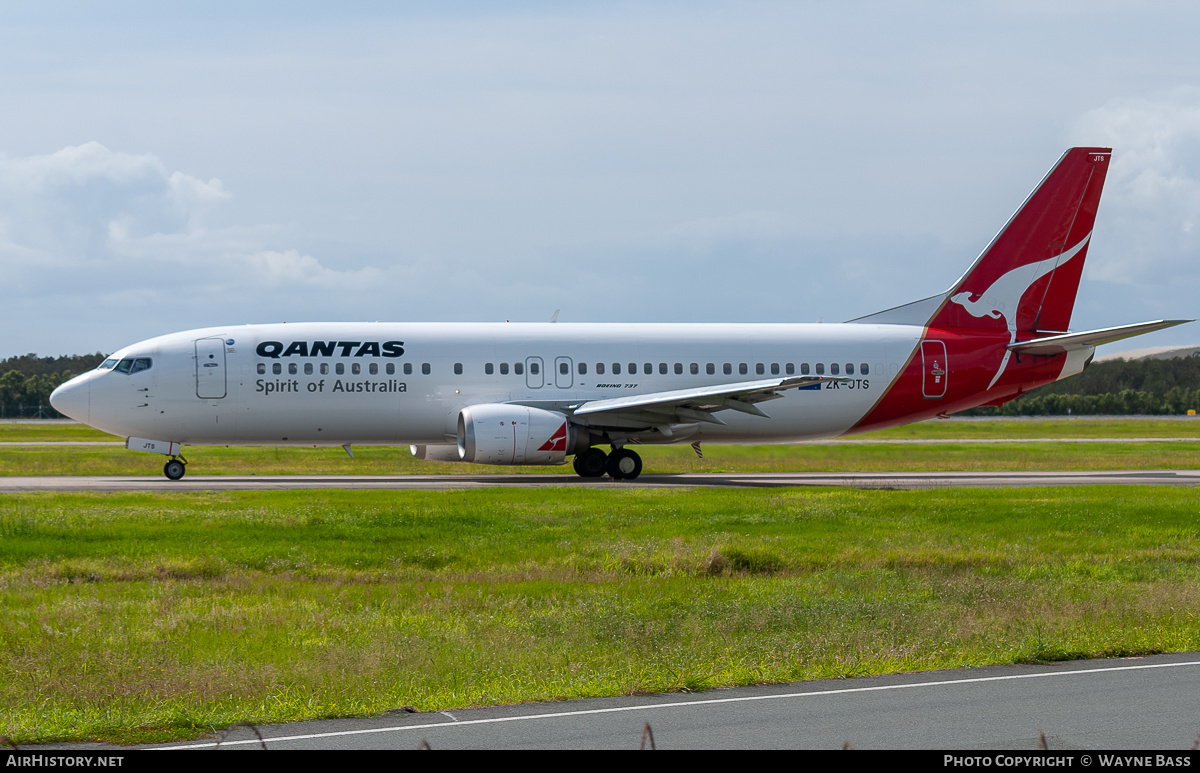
[
  {"x": 848, "y": 456},
  {"x": 140, "y": 617}
]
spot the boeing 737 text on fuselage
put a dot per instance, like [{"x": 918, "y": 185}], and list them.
[{"x": 540, "y": 393}]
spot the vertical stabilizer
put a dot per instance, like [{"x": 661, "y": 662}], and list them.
[{"x": 1027, "y": 277}]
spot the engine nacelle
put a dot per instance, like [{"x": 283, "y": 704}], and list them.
[
  {"x": 439, "y": 453},
  {"x": 513, "y": 434}
]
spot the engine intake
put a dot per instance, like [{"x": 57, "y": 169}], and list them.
[{"x": 513, "y": 434}]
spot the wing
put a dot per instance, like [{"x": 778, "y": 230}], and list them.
[
  {"x": 683, "y": 406},
  {"x": 1072, "y": 341}
]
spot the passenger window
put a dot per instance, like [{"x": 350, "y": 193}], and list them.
[
  {"x": 633, "y": 368},
  {"x": 833, "y": 369},
  {"x": 458, "y": 368},
  {"x": 583, "y": 368},
  {"x": 324, "y": 368},
  {"x": 518, "y": 368},
  {"x": 849, "y": 368},
  {"x": 564, "y": 368},
  {"x": 489, "y": 369},
  {"x": 276, "y": 368},
  {"x": 308, "y": 368},
  {"x": 293, "y": 368},
  {"x": 863, "y": 369},
  {"x": 599, "y": 368},
  {"x": 616, "y": 368},
  {"x": 534, "y": 369},
  {"x": 339, "y": 368},
  {"x": 743, "y": 369},
  {"x": 408, "y": 368},
  {"x": 262, "y": 368},
  {"x": 820, "y": 369},
  {"x": 695, "y": 368},
  {"x": 760, "y": 370},
  {"x": 710, "y": 368},
  {"x": 790, "y": 369},
  {"x": 391, "y": 368},
  {"x": 355, "y": 368},
  {"x": 662, "y": 368},
  {"x": 504, "y": 369},
  {"x": 373, "y": 368},
  {"x": 425, "y": 368},
  {"x": 679, "y": 369},
  {"x": 727, "y": 369},
  {"x": 804, "y": 369}
]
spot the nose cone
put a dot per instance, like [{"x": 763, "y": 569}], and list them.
[{"x": 74, "y": 398}]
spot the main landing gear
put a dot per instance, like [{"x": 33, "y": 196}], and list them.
[
  {"x": 175, "y": 468},
  {"x": 621, "y": 464}
]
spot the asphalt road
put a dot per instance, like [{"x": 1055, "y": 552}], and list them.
[
  {"x": 1135, "y": 703},
  {"x": 890, "y": 480}
]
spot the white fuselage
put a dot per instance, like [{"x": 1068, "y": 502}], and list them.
[{"x": 398, "y": 383}]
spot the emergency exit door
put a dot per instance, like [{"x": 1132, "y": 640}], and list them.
[{"x": 933, "y": 366}]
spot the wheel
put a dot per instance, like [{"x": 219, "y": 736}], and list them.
[
  {"x": 174, "y": 469},
  {"x": 592, "y": 463},
  {"x": 624, "y": 464}
]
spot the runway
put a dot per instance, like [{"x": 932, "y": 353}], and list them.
[
  {"x": 864, "y": 480},
  {"x": 1130, "y": 703}
]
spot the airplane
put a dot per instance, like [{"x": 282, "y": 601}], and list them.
[{"x": 538, "y": 393}]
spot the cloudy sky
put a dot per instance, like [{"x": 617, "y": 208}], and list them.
[{"x": 165, "y": 166}]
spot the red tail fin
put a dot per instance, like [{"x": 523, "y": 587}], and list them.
[{"x": 1027, "y": 277}]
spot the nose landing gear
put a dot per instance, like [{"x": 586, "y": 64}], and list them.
[{"x": 175, "y": 468}]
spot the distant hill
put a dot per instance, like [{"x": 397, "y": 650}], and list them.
[{"x": 1152, "y": 353}]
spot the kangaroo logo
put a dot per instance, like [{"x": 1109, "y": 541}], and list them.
[
  {"x": 557, "y": 441},
  {"x": 1000, "y": 301}
]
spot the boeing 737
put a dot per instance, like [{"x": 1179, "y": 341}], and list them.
[{"x": 506, "y": 394}]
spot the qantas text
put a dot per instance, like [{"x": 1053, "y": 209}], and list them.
[{"x": 276, "y": 349}]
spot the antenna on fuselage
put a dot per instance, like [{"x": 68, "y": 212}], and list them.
[{"x": 554, "y": 316}]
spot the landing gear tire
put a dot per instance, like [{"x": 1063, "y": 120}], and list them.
[
  {"x": 592, "y": 463},
  {"x": 624, "y": 464},
  {"x": 174, "y": 469}
]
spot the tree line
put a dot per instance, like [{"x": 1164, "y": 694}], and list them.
[
  {"x": 1113, "y": 388},
  {"x": 27, "y": 381}
]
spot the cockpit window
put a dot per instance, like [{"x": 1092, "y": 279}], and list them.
[
  {"x": 133, "y": 365},
  {"x": 107, "y": 364}
]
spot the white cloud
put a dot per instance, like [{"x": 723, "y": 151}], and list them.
[
  {"x": 1150, "y": 211},
  {"x": 117, "y": 226}
]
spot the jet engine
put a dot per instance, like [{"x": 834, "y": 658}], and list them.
[{"x": 514, "y": 434}]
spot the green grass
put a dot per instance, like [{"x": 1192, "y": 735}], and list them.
[
  {"x": 1081, "y": 427},
  {"x": 850, "y": 457},
  {"x": 34, "y": 431},
  {"x": 142, "y": 617},
  {"x": 385, "y": 460},
  {"x": 43, "y": 432}
]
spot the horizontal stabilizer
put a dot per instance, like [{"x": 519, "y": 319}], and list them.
[{"x": 1072, "y": 341}]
